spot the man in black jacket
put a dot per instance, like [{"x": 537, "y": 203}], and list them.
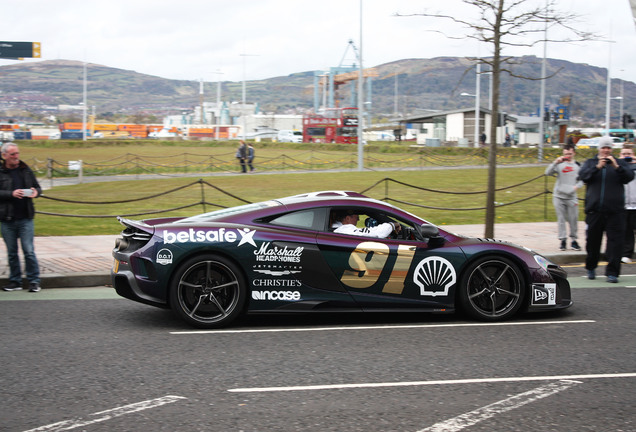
[
  {"x": 605, "y": 178},
  {"x": 18, "y": 187}
]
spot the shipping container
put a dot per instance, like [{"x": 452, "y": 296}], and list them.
[
  {"x": 9, "y": 126},
  {"x": 138, "y": 134},
  {"x": 72, "y": 135},
  {"x": 73, "y": 126},
  {"x": 105, "y": 127},
  {"x": 115, "y": 134},
  {"x": 131, "y": 127},
  {"x": 22, "y": 135}
]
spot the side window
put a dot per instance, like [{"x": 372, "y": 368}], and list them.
[{"x": 307, "y": 219}]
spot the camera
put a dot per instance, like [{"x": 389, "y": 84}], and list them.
[
  {"x": 628, "y": 159},
  {"x": 607, "y": 160}
]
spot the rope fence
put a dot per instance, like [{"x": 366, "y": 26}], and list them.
[{"x": 386, "y": 185}]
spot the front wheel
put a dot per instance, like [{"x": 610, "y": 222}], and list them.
[
  {"x": 492, "y": 289},
  {"x": 208, "y": 291}
]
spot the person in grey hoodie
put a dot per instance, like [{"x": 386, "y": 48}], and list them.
[
  {"x": 564, "y": 195},
  {"x": 627, "y": 154}
]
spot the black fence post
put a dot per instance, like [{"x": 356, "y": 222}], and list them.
[
  {"x": 545, "y": 199},
  {"x": 201, "y": 185}
]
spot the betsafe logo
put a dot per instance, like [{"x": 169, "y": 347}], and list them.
[{"x": 210, "y": 236}]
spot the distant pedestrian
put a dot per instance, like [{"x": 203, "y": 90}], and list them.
[
  {"x": 604, "y": 177},
  {"x": 482, "y": 140},
  {"x": 18, "y": 188},
  {"x": 564, "y": 196},
  {"x": 250, "y": 156},
  {"x": 507, "y": 142},
  {"x": 241, "y": 155},
  {"x": 627, "y": 154}
]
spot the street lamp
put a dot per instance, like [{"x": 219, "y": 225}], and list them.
[
  {"x": 218, "y": 105},
  {"x": 620, "y": 118},
  {"x": 244, "y": 94}
]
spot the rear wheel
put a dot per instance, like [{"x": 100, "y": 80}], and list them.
[
  {"x": 492, "y": 289},
  {"x": 208, "y": 291}
]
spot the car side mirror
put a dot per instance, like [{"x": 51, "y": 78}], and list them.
[{"x": 430, "y": 233}]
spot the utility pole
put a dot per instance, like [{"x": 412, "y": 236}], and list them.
[{"x": 203, "y": 119}]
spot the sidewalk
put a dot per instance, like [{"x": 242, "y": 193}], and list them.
[{"x": 83, "y": 261}]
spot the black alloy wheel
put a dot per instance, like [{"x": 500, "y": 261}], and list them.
[
  {"x": 492, "y": 289},
  {"x": 208, "y": 291}
]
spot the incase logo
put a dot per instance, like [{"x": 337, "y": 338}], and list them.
[{"x": 276, "y": 295}]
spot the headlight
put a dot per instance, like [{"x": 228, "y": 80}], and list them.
[{"x": 542, "y": 261}]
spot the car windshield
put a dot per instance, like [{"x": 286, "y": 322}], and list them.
[{"x": 229, "y": 211}]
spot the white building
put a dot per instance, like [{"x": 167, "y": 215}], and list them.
[{"x": 458, "y": 127}]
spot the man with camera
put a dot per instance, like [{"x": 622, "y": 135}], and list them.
[
  {"x": 564, "y": 195},
  {"x": 605, "y": 177}
]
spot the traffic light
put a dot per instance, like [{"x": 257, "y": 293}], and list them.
[
  {"x": 546, "y": 115},
  {"x": 627, "y": 119}
]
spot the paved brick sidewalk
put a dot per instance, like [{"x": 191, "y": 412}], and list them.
[{"x": 69, "y": 260}]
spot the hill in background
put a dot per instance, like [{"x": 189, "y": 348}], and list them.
[{"x": 422, "y": 85}]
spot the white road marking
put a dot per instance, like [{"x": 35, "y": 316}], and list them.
[
  {"x": 484, "y": 413},
  {"x": 108, "y": 414},
  {"x": 379, "y": 327},
  {"x": 426, "y": 383}
]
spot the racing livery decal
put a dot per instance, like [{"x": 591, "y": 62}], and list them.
[
  {"x": 544, "y": 294},
  {"x": 273, "y": 270},
  {"x": 434, "y": 272},
  {"x": 276, "y": 295},
  {"x": 278, "y": 254},
  {"x": 210, "y": 236},
  {"x": 434, "y": 275},
  {"x": 164, "y": 257}
]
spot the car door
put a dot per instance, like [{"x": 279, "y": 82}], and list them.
[{"x": 383, "y": 273}]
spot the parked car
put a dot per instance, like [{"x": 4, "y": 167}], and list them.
[
  {"x": 282, "y": 256},
  {"x": 294, "y": 136},
  {"x": 584, "y": 143}
]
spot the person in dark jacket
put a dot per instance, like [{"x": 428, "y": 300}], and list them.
[
  {"x": 250, "y": 157},
  {"x": 241, "y": 155},
  {"x": 18, "y": 188},
  {"x": 605, "y": 177}
]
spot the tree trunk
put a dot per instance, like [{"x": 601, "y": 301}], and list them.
[{"x": 489, "y": 228}]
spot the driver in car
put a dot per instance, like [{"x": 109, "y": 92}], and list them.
[{"x": 347, "y": 220}]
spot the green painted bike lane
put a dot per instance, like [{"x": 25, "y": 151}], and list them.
[{"x": 91, "y": 293}]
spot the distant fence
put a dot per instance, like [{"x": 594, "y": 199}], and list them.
[{"x": 311, "y": 160}]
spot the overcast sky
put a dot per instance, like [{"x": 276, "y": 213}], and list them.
[{"x": 255, "y": 39}]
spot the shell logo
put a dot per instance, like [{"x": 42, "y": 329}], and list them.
[{"x": 434, "y": 275}]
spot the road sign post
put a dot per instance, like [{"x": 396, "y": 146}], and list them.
[{"x": 18, "y": 50}]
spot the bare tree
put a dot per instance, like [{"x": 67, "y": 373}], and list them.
[{"x": 508, "y": 23}]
